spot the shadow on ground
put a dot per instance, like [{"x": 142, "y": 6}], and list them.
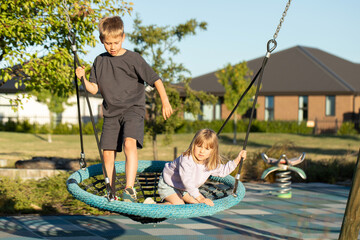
[{"x": 56, "y": 227}]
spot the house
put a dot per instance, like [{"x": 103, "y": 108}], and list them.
[
  {"x": 36, "y": 112},
  {"x": 299, "y": 83}
]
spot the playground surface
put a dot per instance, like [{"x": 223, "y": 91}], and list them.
[{"x": 315, "y": 211}]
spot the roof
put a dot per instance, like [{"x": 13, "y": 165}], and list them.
[
  {"x": 296, "y": 71},
  {"x": 9, "y": 87}
]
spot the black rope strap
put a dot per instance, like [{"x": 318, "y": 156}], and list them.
[
  {"x": 261, "y": 72},
  {"x": 82, "y": 161},
  {"x": 271, "y": 45}
]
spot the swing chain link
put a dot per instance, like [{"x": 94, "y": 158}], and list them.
[
  {"x": 71, "y": 35},
  {"x": 66, "y": 8},
  {"x": 272, "y": 44},
  {"x": 281, "y": 20}
]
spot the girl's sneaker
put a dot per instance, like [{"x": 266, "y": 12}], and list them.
[
  {"x": 129, "y": 195},
  {"x": 149, "y": 200}
]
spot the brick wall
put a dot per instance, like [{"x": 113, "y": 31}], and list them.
[{"x": 286, "y": 108}]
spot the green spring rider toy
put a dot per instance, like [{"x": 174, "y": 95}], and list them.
[{"x": 283, "y": 166}]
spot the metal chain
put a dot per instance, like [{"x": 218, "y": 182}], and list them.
[
  {"x": 66, "y": 8},
  {"x": 281, "y": 20}
]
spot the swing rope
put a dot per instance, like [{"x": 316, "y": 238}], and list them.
[
  {"x": 82, "y": 162},
  {"x": 271, "y": 45}
]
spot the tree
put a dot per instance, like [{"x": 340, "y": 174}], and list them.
[
  {"x": 56, "y": 105},
  {"x": 158, "y": 46},
  {"x": 34, "y": 46},
  {"x": 235, "y": 80}
]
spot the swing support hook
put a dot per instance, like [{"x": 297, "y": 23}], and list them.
[{"x": 271, "y": 45}]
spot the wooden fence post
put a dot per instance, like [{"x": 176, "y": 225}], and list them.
[
  {"x": 351, "y": 221},
  {"x": 315, "y": 130},
  {"x": 175, "y": 153},
  {"x": 336, "y": 125}
]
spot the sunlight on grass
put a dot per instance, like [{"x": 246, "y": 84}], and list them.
[{"x": 20, "y": 146}]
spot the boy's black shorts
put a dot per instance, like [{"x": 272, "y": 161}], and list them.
[{"x": 116, "y": 129}]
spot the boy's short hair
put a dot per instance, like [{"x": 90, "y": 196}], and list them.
[{"x": 111, "y": 26}]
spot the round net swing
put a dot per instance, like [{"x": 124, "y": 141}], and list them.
[{"x": 88, "y": 186}]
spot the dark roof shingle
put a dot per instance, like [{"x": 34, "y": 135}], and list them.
[{"x": 298, "y": 70}]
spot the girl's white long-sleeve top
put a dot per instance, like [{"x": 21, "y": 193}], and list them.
[{"x": 185, "y": 174}]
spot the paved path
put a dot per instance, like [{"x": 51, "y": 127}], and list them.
[{"x": 314, "y": 212}]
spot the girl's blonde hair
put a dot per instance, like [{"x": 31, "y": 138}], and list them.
[
  {"x": 208, "y": 138},
  {"x": 111, "y": 26}
]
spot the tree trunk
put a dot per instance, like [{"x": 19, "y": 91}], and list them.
[
  {"x": 154, "y": 134},
  {"x": 351, "y": 222},
  {"x": 235, "y": 128},
  {"x": 154, "y": 142},
  {"x": 50, "y": 128}
]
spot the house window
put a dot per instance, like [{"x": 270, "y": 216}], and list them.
[
  {"x": 217, "y": 113},
  {"x": 269, "y": 108},
  {"x": 189, "y": 116},
  {"x": 330, "y": 106},
  {"x": 210, "y": 112},
  {"x": 303, "y": 108}
]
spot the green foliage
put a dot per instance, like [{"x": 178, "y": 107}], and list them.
[
  {"x": 328, "y": 170},
  {"x": 44, "y": 196},
  {"x": 235, "y": 79},
  {"x": 62, "y": 128},
  {"x": 10, "y": 126},
  {"x": 280, "y": 127},
  {"x": 194, "y": 126},
  {"x": 66, "y": 129},
  {"x": 29, "y": 27},
  {"x": 180, "y": 126},
  {"x": 242, "y": 125},
  {"x": 347, "y": 128}
]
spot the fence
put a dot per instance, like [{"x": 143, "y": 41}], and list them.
[{"x": 328, "y": 126}]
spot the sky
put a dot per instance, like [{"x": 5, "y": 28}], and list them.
[{"x": 239, "y": 30}]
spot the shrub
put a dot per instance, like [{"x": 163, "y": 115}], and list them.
[
  {"x": 10, "y": 126},
  {"x": 327, "y": 171},
  {"x": 44, "y": 196},
  {"x": 256, "y": 126},
  {"x": 347, "y": 128},
  {"x": 65, "y": 129},
  {"x": 62, "y": 128}
]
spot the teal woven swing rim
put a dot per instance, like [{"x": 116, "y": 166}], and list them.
[{"x": 149, "y": 210}]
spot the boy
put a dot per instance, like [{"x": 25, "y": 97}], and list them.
[{"x": 120, "y": 74}]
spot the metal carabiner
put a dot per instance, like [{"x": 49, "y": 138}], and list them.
[
  {"x": 82, "y": 161},
  {"x": 270, "y": 47}
]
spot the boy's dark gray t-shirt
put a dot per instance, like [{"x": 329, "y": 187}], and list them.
[{"x": 121, "y": 82}]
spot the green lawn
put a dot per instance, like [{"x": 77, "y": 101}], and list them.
[{"x": 20, "y": 146}]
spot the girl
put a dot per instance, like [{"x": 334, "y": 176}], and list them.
[{"x": 181, "y": 179}]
